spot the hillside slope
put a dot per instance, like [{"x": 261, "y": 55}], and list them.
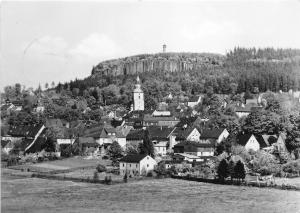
[{"x": 162, "y": 62}]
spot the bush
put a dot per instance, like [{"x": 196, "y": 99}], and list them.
[
  {"x": 101, "y": 168},
  {"x": 223, "y": 171},
  {"x": 292, "y": 167}
]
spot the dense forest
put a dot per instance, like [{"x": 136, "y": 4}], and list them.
[{"x": 186, "y": 74}]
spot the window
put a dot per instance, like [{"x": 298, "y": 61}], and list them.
[
  {"x": 123, "y": 164},
  {"x": 129, "y": 165},
  {"x": 147, "y": 158},
  {"x": 136, "y": 165},
  {"x": 147, "y": 165}
]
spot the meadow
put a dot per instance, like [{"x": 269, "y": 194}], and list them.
[{"x": 157, "y": 195}]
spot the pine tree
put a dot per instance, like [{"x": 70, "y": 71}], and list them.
[
  {"x": 239, "y": 170},
  {"x": 223, "y": 170}
]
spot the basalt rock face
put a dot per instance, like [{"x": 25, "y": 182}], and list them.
[{"x": 162, "y": 62}]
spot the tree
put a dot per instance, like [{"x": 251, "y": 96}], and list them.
[
  {"x": 147, "y": 146},
  {"x": 239, "y": 170},
  {"x": 115, "y": 151},
  {"x": 46, "y": 85},
  {"x": 223, "y": 170},
  {"x": 52, "y": 84},
  {"x": 49, "y": 145}
]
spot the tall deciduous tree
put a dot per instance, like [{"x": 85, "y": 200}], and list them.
[{"x": 115, "y": 151}]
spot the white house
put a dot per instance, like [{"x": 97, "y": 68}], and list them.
[
  {"x": 134, "y": 165},
  {"x": 249, "y": 141},
  {"x": 194, "y": 101},
  {"x": 160, "y": 147},
  {"x": 65, "y": 141},
  {"x": 157, "y": 113},
  {"x": 216, "y": 135}
]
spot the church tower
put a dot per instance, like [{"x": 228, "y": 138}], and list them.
[{"x": 138, "y": 96}]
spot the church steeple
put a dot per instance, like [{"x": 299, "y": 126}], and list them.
[{"x": 138, "y": 96}]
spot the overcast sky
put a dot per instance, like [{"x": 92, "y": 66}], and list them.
[{"x": 59, "y": 41}]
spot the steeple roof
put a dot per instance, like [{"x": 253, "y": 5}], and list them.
[{"x": 137, "y": 88}]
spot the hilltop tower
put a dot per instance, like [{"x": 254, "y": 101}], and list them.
[
  {"x": 164, "y": 48},
  {"x": 138, "y": 96}
]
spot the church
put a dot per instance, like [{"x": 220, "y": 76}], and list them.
[{"x": 138, "y": 96}]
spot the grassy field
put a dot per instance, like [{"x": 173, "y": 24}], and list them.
[
  {"x": 65, "y": 164},
  {"x": 159, "y": 195}
]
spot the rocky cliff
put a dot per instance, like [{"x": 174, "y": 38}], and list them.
[{"x": 162, "y": 62}]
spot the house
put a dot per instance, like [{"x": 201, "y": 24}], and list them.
[
  {"x": 180, "y": 157},
  {"x": 200, "y": 149},
  {"x": 87, "y": 144},
  {"x": 243, "y": 111},
  {"x": 250, "y": 142},
  {"x": 159, "y": 113},
  {"x": 18, "y": 105},
  {"x": 186, "y": 134},
  {"x": 16, "y": 133},
  {"x": 194, "y": 101},
  {"x": 274, "y": 143},
  {"x": 214, "y": 135},
  {"x": 134, "y": 165},
  {"x": 160, "y": 138},
  {"x": 109, "y": 135},
  {"x": 169, "y": 121},
  {"x": 135, "y": 137},
  {"x": 6, "y": 146}
]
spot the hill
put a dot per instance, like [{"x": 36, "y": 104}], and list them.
[{"x": 186, "y": 74}]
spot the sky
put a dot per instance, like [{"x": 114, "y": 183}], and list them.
[{"x": 58, "y": 41}]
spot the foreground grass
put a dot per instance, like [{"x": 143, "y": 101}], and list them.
[{"x": 165, "y": 195}]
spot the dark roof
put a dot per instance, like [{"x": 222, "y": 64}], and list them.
[
  {"x": 133, "y": 158},
  {"x": 211, "y": 133},
  {"x": 262, "y": 142},
  {"x": 194, "y": 98},
  {"x": 242, "y": 139},
  {"x": 138, "y": 134},
  {"x": 182, "y": 134},
  {"x": 25, "y": 143},
  {"x": 159, "y": 133},
  {"x": 148, "y": 118},
  {"x": 4, "y": 143},
  {"x": 24, "y": 131},
  {"x": 37, "y": 146},
  {"x": 194, "y": 144}
]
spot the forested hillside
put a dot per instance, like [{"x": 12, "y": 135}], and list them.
[{"x": 241, "y": 70}]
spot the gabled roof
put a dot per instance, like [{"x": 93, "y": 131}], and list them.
[
  {"x": 133, "y": 158},
  {"x": 24, "y": 131},
  {"x": 137, "y": 134},
  {"x": 194, "y": 98},
  {"x": 149, "y": 118},
  {"x": 269, "y": 139},
  {"x": 4, "y": 143},
  {"x": 261, "y": 141},
  {"x": 54, "y": 122},
  {"x": 108, "y": 132},
  {"x": 243, "y": 139},
  {"x": 194, "y": 144},
  {"x": 211, "y": 133},
  {"x": 159, "y": 133},
  {"x": 182, "y": 134}
]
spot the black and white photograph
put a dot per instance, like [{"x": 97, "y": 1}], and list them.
[{"x": 150, "y": 106}]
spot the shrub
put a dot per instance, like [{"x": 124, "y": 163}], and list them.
[
  {"x": 292, "y": 167},
  {"x": 101, "y": 168},
  {"x": 239, "y": 170}
]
